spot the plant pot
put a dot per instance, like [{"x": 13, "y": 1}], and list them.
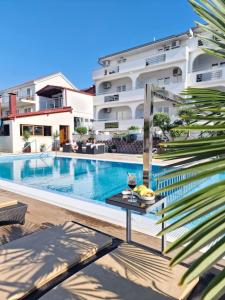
[
  {"x": 56, "y": 145},
  {"x": 27, "y": 147}
]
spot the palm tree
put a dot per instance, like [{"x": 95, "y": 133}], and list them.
[{"x": 207, "y": 206}]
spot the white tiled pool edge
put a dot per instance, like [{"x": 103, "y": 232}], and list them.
[{"x": 90, "y": 209}]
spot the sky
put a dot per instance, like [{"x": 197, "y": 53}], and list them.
[{"x": 39, "y": 37}]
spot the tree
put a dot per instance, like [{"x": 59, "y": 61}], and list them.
[
  {"x": 186, "y": 115},
  {"x": 206, "y": 207},
  {"x": 26, "y": 136},
  {"x": 162, "y": 121},
  {"x": 81, "y": 130}
]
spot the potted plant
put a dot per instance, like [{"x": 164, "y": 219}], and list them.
[
  {"x": 56, "y": 142},
  {"x": 81, "y": 131},
  {"x": 42, "y": 148},
  {"x": 27, "y": 145}
]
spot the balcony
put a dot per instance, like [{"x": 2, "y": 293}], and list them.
[
  {"x": 210, "y": 77},
  {"x": 115, "y": 125},
  {"x": 129, "y": 95},
  {"x": 165, "y": 58},
  {"x": 21, "y": 101}
]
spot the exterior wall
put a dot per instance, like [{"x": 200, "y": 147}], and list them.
[
  {"x": 82, "y": 105},
  {"x": 55, "y": 79},
  {"x": 6, "y": 142},
  {"x": 154, "y": 63},
  {"x": 14, "y": 143}
]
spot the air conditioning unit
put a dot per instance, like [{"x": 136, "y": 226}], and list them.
[
  {"x": 175, "y": 44},
  {"x": 177, "y": 72},
  {"x": 107, "y": 85},
  {"x": 107, "y": 110}
]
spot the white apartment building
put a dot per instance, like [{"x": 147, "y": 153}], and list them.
[
  {"x": 173, "y": 63},
  {"x": 42, "y": 107}
]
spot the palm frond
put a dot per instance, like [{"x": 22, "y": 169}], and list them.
[{"x": 204, "y": 209}]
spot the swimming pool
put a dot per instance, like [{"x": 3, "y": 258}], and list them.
[
  {"x": 82, "y": 185},
  {"x": 84, "y": 179}
]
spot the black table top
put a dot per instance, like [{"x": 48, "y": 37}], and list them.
[{"x": 122, "y": 201}]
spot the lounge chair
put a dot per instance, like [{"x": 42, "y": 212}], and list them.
[
  {"x": 126, "y": 273},
  {"x": 12, "y": 212},
  {"x": 28, "y": 263}
]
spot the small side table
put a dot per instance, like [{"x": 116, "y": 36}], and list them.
[{"x": 122, "y": 201}]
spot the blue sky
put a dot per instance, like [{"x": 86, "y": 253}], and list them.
[{"x": 38, "y": 37}]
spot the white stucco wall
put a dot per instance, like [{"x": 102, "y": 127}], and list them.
[
  {"x": 82, "y": 104},
  {"x": 14, "y": 143}
]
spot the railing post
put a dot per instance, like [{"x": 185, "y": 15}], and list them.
[{"x": 148, "y": 136}]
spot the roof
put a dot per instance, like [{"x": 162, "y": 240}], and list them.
[
  {"x": 40, "y": 112},
  {"x": 145, "y": 45},
  {"x": 33, "y": 81},
  {"x": 51, "y": 89}
]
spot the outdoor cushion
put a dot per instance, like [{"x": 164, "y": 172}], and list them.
[
  {"x": 30, "y": 262},
  {"x": 5, "y": 203},
  {"x": 127, "y": 273}
]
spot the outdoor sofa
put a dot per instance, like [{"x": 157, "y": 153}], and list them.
[
  {"x": 12, "y": 212},
  {"x": 95, "y": 149}
]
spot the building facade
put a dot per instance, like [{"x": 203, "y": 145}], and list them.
[
  {"x": 173, "y": 63},
  {"x": 43, "y": 107}
]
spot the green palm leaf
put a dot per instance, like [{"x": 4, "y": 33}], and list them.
[{"x": 206, "y": 207}]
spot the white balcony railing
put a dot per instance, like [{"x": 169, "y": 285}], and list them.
[
  {"x": 130, "y": 95},
  {"x": 102, "y": 125},
  {"x": 172, "y": 55},
  {"x": 210, "y": 75}
]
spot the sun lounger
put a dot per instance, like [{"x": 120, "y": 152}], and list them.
[
  {"x": 127, "y": 273},
  {"x": 28, "y": 263},
  {"x": 12, "y": 212}
]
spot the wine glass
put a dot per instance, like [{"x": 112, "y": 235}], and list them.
[{"x": 132, "y": 182}]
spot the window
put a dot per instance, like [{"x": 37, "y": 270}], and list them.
[
  {"x": 5, "y": 130},
  {"x": 38, "y": 130},
  {"x": 47, "y": 131},
  {"x": 166, "y": 110},
  {"x": 121, "y": 88},
  {"x": 166, "y": 47},
  {"x": 86, "y": 120},
  {"x": 122, "y": 60},
  {"x": 28, "y": 92},
  {"x": 215, "y": 65},
  {"x": 111, "y": 125},
  {"x": 27, "y": 109}
]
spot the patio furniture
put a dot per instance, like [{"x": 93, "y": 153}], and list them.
[
  {"x": 12, "y": 212},
  {"x": 67, "y": 148},
  {"x": 28, "y": 263},
  {"x": 122, "y": 201},
  {"x": 95, "y": 149},
  {"x": 126, "y": 273}
]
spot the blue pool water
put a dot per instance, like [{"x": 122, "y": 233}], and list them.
[{"x": 78, "y": 178}]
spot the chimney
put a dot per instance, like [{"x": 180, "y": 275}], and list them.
[
  {"x": 0, "y": 107},
  {"x": 12, "y": 104}
]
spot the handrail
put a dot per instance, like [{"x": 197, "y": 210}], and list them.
[{"x": 42, "y": 153}]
